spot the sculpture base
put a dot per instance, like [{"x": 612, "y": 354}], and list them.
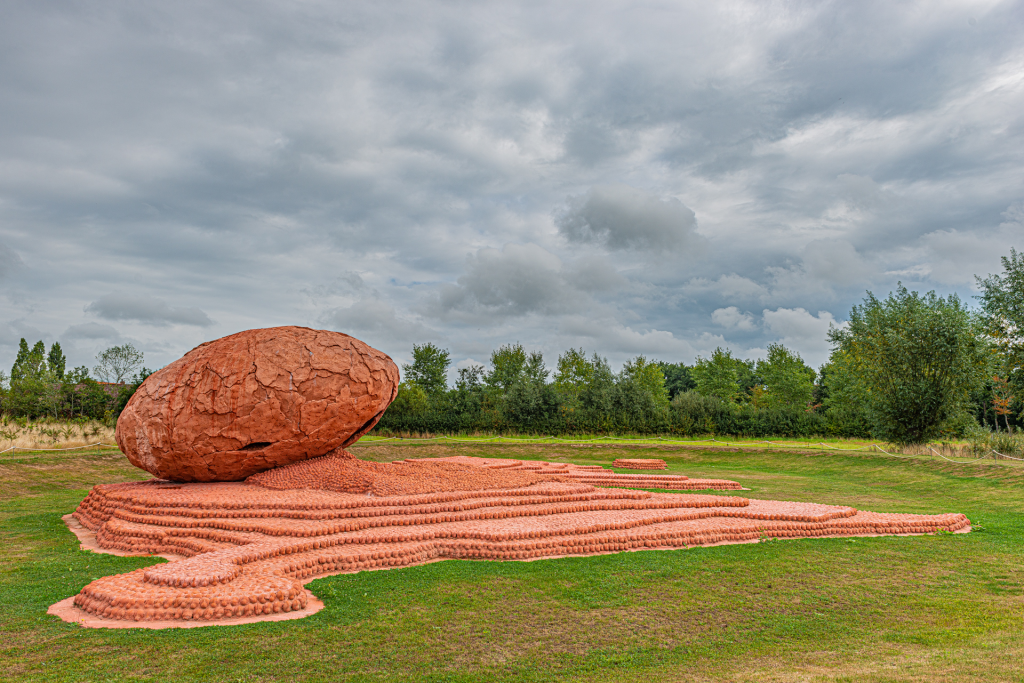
[
  {"x": 67, "y": 611},
  {"x": 640, "y": 464},
  {"x": 249, "y": 549}
]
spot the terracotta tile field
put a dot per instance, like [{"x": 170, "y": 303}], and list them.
[
  {"x": 246, "y": 548},
  {"x": 640, "y": 463}
]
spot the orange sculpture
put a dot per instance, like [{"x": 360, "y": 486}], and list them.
[
  {"x": 250, "y": 548},
  {"x": 276, "y": 407},
  {"x": 254, "y": 401},
  {"x": 640, "y": 463}
]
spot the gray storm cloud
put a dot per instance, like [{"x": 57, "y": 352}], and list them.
[
  {"x": 146, "y": 309},
  {"x": 375, "y": 320},
  {"x": 10, "y": 261},
  {"x": 621, "y": 217},
  {"x": 90, "y": 331},
  {"x": 334, "y": 166},
  {"x": 513, "y": 281}
]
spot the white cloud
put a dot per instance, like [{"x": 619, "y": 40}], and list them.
[
  {"x": 803, "y": 332},
  {"x": 594, "y": 274},
  {"x": 826, "y": 266},
  {"x": 611, "y": 337},
  {"x": 14, "y": 331},
  {"x": 954, "y": 257},
  {"x": 731, "y": 318},
  {"x": 468, "y": 363}
]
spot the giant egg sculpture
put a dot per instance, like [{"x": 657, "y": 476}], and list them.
[{"x": 253, "y": 401}]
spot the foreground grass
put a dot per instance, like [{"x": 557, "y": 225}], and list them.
[{"x": 945, "y": 607}]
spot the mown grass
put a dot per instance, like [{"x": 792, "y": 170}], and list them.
[{"x": 946, "y": 607}]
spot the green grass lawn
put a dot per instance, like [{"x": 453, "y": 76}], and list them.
[{"x": 947, "y": 607}]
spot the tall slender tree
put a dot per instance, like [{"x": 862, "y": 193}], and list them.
[
  {"x": 56, "y": 361},
  {"x": 18, "y": 369}
]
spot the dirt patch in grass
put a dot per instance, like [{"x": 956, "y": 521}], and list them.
[{"x": 988, "y": 659}]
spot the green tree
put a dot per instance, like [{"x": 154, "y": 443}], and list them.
[
  {"x": 677, "y": 378},
  {"x": 640, "y": 398},
  {"x": 507, "y": 366},
  {"x": 56, "y": 361},
  {"x": 528, "y": 402},
  {"x": 470, "y": 379},
  {"x": 647, "y": 375},
  {"x": 411, "y": 399},
  {"x": 429, "y": 368},
  {"x": 586, "y": 387},
  {"x": 77, "y": 375},
  {"x": 915, "y": 358},
  {"x": 34, "y": 390},
  {"x": 716, "y": 376},
  {"x": 597, "y": 394},
  {"x": 118, "y": 363},
  {"x": 37, "y": 359},
  {"x": 1002, "y": 304},
  {"x": 468, "y": 396},
  {"x": 534, "y": 370},
  {"x": 573, "y": 374},
  {"x": 788, "y": 381},
  {"x": 18, "y": 369},
  {"x": 1002, "y": 300},
  {"x": 747, "y": 378}
]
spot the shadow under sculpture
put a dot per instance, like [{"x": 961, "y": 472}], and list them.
[{"x": 247, "y": 532}]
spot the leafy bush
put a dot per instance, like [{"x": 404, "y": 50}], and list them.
[{"x": 983, "y": 441}]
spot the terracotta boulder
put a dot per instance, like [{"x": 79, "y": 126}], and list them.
[{"x": 253, "y": 401}]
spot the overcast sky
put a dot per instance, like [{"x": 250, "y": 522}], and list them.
[{"x": 654, "y": 178}]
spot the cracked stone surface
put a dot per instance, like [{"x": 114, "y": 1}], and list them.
[
  {"x": 248, "y": 549},
  {"x": 253, "y": 401}
]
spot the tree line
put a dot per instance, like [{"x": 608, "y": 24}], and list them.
[
  {"x": 40, "y": 385},
  {"x": 907, "y": 369}
]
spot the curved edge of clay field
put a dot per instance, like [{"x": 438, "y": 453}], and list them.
[{"x": 68, "y": 612}]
